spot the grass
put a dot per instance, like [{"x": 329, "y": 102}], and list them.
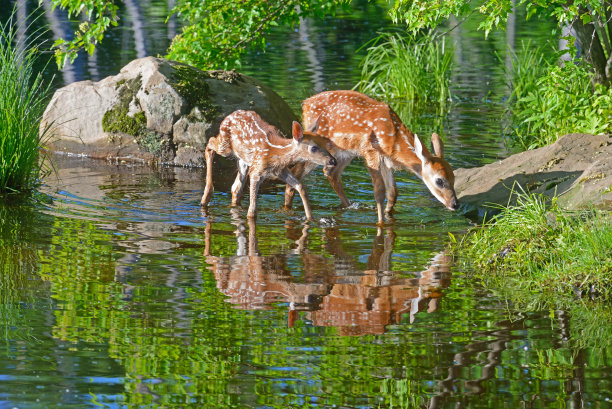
[
  {"x": 408, "y": 71},
  {"x": 23, "y": 98},
  {"x": 550, "y": 100},
  {"x": 541, "y": 257},
  {"x": 537, "y": 247}
]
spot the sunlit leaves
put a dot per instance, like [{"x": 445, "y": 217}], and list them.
[
  {"x": 218, "y": 32},
  {"x": 215, "y": 33},
  {"x": 421, "y": 14},
  {"x": 102, "y": 14}
]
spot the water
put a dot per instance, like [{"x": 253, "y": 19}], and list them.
[{"x": 116, "y": 291}]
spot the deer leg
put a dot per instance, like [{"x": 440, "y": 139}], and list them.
[
  {"x": 209, "y": 153},
  {"x": 295, "y": 183},
  {"x": 300, "y": 171},
  {"x": 239, "y": 183},
  {"x": 390, "y": 187},
  {"x": 335, "y": 180},
  {"x": 253, "y": 244},
  {"x": 256, "y": 180},
  {"x": 379, "y": 192}
]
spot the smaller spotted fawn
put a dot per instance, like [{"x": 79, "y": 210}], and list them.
[{"x": 263, "y": 153}]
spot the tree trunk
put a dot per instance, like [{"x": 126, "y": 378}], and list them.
[
  {"x": 592, "y": 48},
  {"x": 608, "y": 19}
]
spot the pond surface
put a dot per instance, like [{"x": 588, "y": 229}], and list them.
[{"x": 117, "y": 291}]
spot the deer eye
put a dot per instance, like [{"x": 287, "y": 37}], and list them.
[
  {"x": 440, "y": 182},
  {"x": 314, "y": 148}
]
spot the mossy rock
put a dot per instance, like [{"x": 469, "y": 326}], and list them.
[
  {"x": 153, "y": 108},
  {"x": 191, "y": 84}
]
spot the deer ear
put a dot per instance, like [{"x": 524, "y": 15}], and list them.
[
  {"x": 418, "y": 149},
  {"x": 437, "y": 145},
  {"x": 315, "y": 125},
  {"x": 296, "y": 130}
]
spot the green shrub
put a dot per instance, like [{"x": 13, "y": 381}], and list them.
[
  {"x": 410, "y": 71},
  {"x": 551, "y": 100},
  {"x": 22, "y": 103}
]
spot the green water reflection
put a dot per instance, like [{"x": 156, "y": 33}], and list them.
[{"x": 116, "y": 291}]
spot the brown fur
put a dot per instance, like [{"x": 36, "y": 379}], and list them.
[
  {"x": 354, "y": 125},
  {"x": 262, "y": 153}
]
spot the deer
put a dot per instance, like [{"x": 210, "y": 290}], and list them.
[
  {"x": 355, "y": 125},
  {"x": 263, "y": 153}
]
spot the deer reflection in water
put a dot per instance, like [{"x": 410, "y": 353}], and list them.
[{"x": 330, "y": 292}]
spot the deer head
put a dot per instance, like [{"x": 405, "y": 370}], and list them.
[{"x": 436, "y": 173}]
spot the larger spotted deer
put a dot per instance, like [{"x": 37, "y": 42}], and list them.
[
  {"x": 263, "y": 153},
  {"x": 356, "y": 125}
]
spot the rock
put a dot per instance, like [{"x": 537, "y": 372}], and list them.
[
  {"x": 577, "y": 168},
  {"x": 155, "y": 111}
]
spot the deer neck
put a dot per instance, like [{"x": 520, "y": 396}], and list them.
[
  {"x": 403, "y": 155},
  {"x": 283, "y": 152}
]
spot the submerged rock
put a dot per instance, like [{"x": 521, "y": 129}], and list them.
[
  {"x": 577, "y": 168},
  {"x": 155, "y": 111}
]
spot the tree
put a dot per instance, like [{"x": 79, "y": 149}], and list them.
[
  {"x": 216, "y": 32},
  {"x": 591, "y": 20}
]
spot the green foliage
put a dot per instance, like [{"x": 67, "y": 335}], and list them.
[
  {"x": 22, "y": 103},
  {"x": 408, "y": 70},
  {"x": 419, "y": 15},
  {"x": 589, "y": 18},
  {"x": 101, "y": 15},
  {"x": 550, "y": 100},
  {"x": 217, "y": 32},
  {"x": 535, "y": 247},
  {"x": 422, "y": 14}
]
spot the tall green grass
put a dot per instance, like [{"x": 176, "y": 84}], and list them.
[
  {"x": 23, "y": 97},
  {"x": 550, "y": 100},
  {"x": 408, "y": 71}
]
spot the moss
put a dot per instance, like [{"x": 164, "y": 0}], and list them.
[
  {"x": 151, "y": 141},
  {"x": 191, "y": 84},
  {"x": 117, "y": 120},
  {"x": 596, "y": 176},
  {"x": 227, "y": 76}
]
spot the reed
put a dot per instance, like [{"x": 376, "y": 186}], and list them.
[
  {"x": 407, "y": 71},
  {"x": 23, "y": 97}
]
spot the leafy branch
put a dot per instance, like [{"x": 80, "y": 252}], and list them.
[{"x": 591, "y": 20}]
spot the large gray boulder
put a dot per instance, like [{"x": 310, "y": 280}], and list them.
[
  {"x": 155, "y": 111},
  {"x": 577, "y": 168}
]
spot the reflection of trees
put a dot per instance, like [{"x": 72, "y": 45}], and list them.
[
  {"x": 107, "y": 303},
  {"x": 135, "y": 14},
  {"x": 161, "y": 324},
  {"x": 61, "y": 28},
  {"x": 18, "y": 267}
]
